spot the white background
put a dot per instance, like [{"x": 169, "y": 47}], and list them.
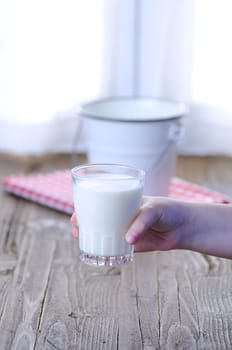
[{"x": 54, "y": 55}]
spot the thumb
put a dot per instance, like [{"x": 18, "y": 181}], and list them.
[{"x": 147, "y": 217}]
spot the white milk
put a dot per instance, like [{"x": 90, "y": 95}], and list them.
[{"x": 105, "y": 205}]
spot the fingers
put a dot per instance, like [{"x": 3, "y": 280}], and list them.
[
  {"x": 143, "y": 221},
  {"x": 73, "y": 219},
  {"x": 75, "y": 232},
  {"x": 74, "y": 223}
]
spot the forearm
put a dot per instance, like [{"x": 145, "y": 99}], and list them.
[{"x": 208, "y": 229}]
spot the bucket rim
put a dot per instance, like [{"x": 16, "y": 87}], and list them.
[{"x": 178, "y": 109}]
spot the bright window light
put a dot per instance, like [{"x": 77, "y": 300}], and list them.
[
  {"x": 212, "y": 60},
  {"x": 51, "y": 56}
]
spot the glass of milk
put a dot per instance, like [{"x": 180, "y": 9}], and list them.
[{"x": 107, "y": 197}]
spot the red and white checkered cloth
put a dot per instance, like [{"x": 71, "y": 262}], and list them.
[{"x": 54, "y": 190}]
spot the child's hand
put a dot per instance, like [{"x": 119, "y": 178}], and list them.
[
  {"x": 160, "y": 225},
  {"x": 73, "y": 220}
]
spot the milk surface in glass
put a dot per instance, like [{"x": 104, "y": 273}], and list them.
[{"x": 105, "y": 205}]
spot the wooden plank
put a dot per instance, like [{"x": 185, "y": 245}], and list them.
[
  {"x": 214, "y": 301},
  {"x": 192, "y": 169},
  {"x": 219, "y": 174},
  {"x": 178, "y": 326},
  {"x": 129, "y": 335},
  {"x": 194, "y": 313},
  {"x": 57, "y": 329},
  {"x": 213, "y": 172},
  {"x": 19, "y": 321},
  {"x": 147, "y": 294}
]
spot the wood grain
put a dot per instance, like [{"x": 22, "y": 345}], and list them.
[{"x": 163, "y": 300}]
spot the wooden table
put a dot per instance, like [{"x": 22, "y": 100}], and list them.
[{"x": 49, "y": 300}]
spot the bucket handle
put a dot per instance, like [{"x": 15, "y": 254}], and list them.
[
  {"x": 176, "y": 132},
  {"x": 75, "y": 142}
]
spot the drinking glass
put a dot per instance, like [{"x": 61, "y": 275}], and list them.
[{"x": 107, "y": 197}]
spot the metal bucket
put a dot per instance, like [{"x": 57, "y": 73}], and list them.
[{"x": 141, "y": 132}]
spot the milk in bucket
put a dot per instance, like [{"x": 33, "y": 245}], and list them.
[{"x": 141, "y": 132}]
